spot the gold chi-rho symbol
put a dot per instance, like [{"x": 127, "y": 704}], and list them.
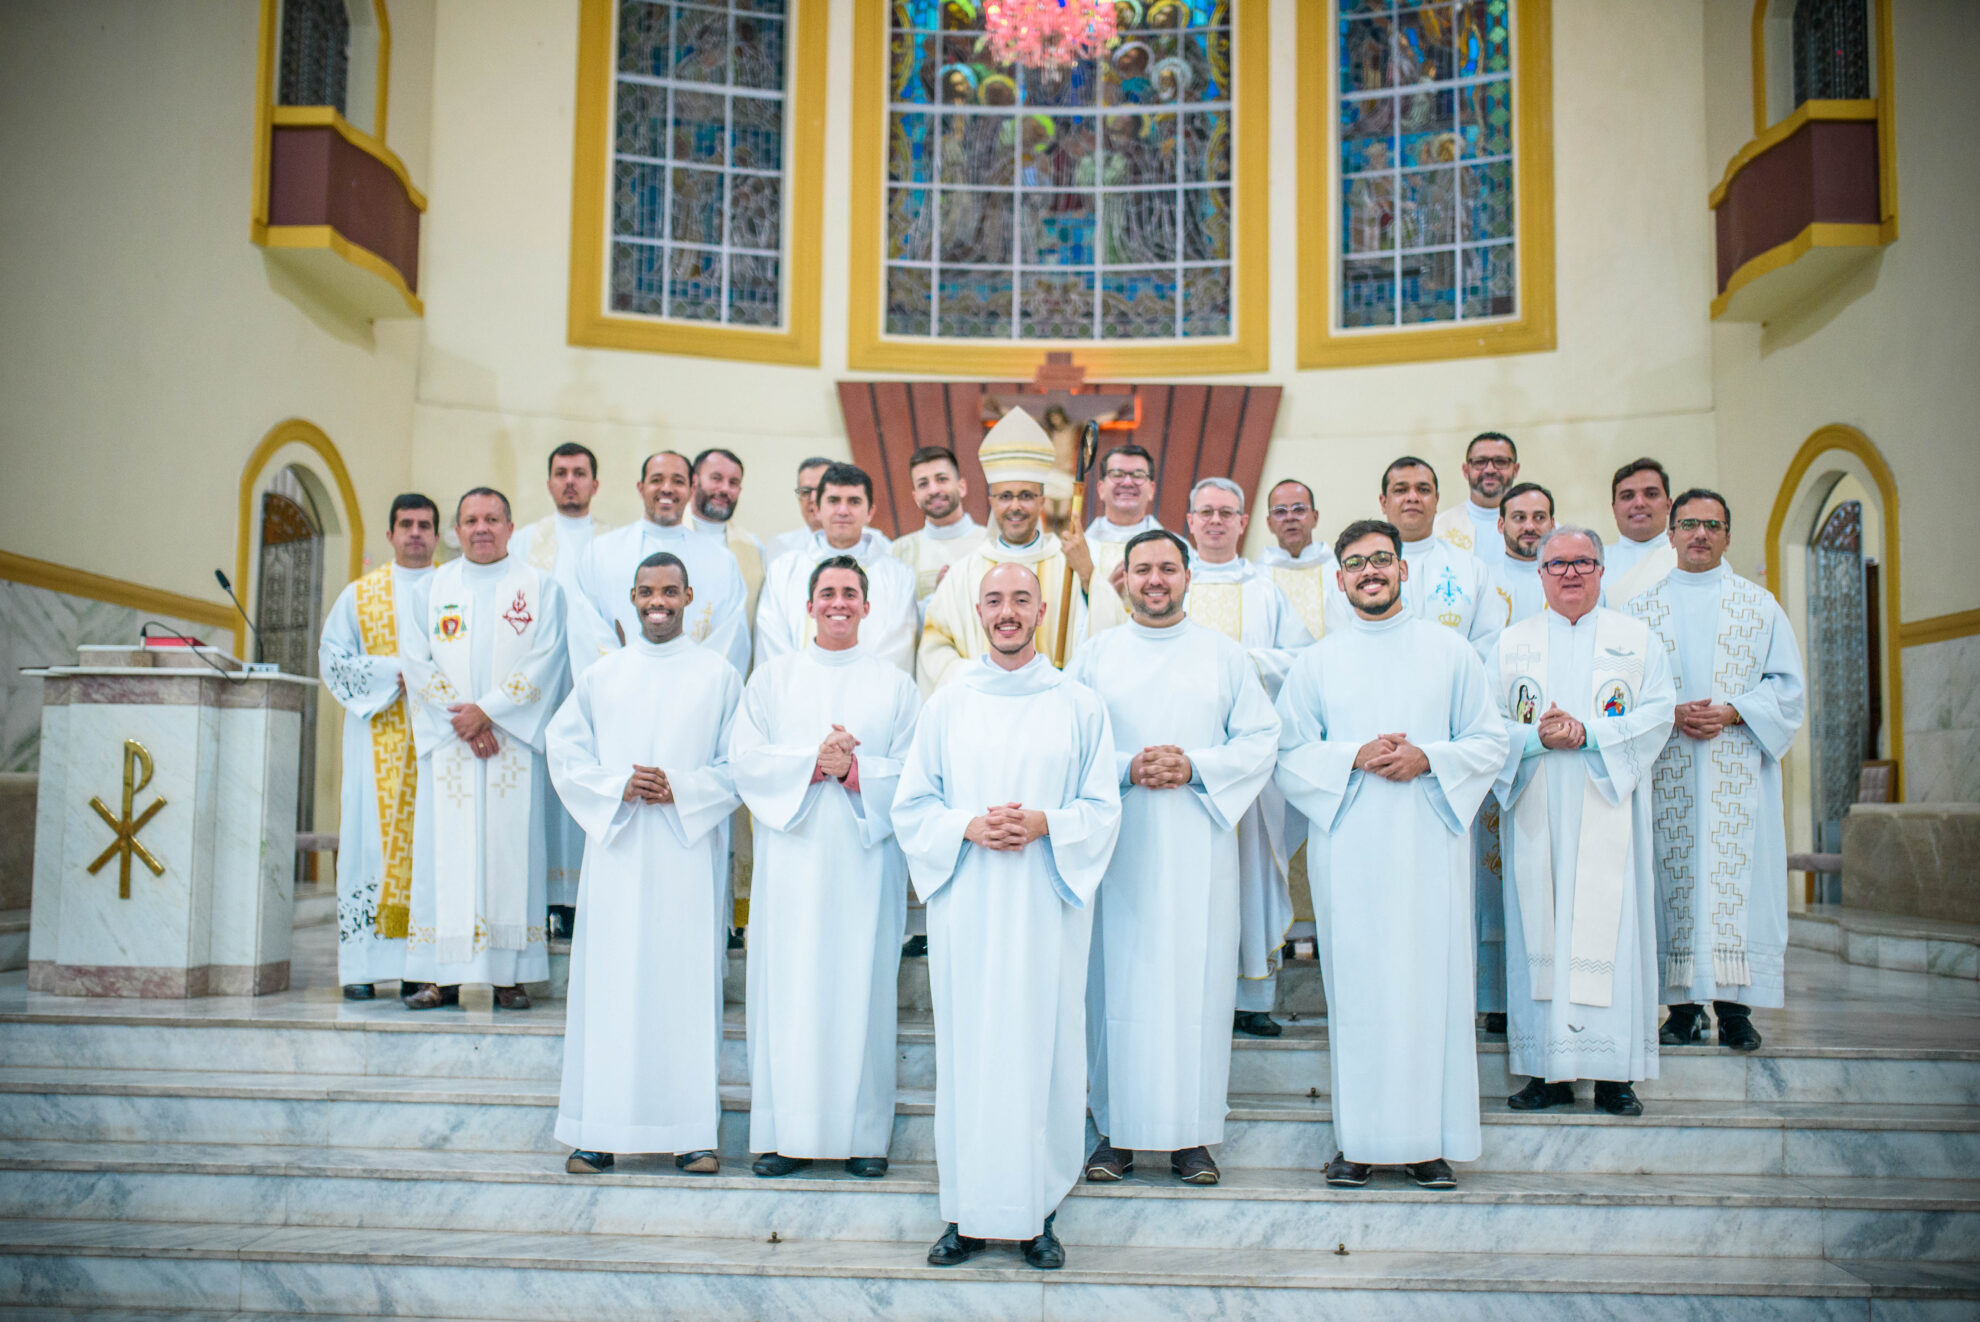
[{"x": 137, "y": 774}]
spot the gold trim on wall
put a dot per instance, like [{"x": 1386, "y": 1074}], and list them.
[
  {"x": 591, "y": 178},
  {"x": 381, "y": 100},
  {"x": 1941, "y": 628},
  {"x": 869, "y": 349},
  {"x": 323, "y": 236},
  {"x": 1827, "y": 440},
  {"x": 1533, "y": 330},
  {"x": 1768, "y": 139},
  {"x": 51, "y": 577},
  {"x": 267, "y": 114},
  {"x": 1818, "y": 234},
  {"x": 291, "y": 431}
]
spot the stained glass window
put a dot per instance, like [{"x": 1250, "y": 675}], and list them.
[
  {"x": 316, "y": 53},
  {"x": 1425, "y": 138},
  {"x": 1831, "y": 50},
  {"x": 699, "y": 178},
  {"x": 1091, "y": 202}
]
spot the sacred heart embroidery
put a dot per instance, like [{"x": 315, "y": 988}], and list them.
[{"x": 518, "y": 614}]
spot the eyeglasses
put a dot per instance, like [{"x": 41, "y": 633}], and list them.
[
  {"x": 1492, "y": 462},
  {"x": 1290, "y": 511},
  {"x": 1211, "y": 514},
  {"x": 1709, "y": 525},
  {"x": 1562, "y": 568},
  {"x": 1021, "y": 497},
  {"x": 1354, "y": 564},
  {"x": 1118, "y": 476},
  {"x": 804, "y": 493}
]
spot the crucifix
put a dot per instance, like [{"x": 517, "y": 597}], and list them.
[{"x": 1063, "y": 404}]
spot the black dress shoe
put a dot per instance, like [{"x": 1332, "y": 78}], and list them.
[
  {"x": 1617, "y": 1099},
  {"x": 1736, "y": 1030},
  {"x": 1433, "y": 1174},
  {"x": 867, "y": 1168},
  {"x": 1345, "y": 1174},
  {"x": 1684, "y": 1026},
  {"x": 1044, "y": 1250},
  {"x": 360, "y": 991},
  {"x": 1538, "y": 1095},
  {"x": 1194, "y": 1166},
  {"x": 1257, "y": 1023},
  {"x": 703, "y": 1162},
  {"x": 1495, "y": 1022},
  {"x": 588, "y": 1163},
  {"x": 773, "y": 1164},
  {"x": 736, "y": 941},
  {"x": 563, "y": 922},
  {"x": 953, "y": 1249},
  {"x": 1107, "y": 1163},
  {"x": 916, "y": 946}
]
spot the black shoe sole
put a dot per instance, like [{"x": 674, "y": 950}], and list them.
[{"x": 1435, "y": 1184}]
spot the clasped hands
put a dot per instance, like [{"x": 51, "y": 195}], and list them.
[
  {"x": 1560, "y": 731},
  {"x": 1703, "y": 719},
  {"x": 474, "y": 728},
  {"x": 648, "y": 785},
  {"x": 1007, "y": 826},
  {"x": 1160, "y": 767},
  {"x": 1392, "y": 757},
  {"x": 835, "y": 754}
]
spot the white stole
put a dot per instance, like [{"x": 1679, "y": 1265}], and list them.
[
  {"x": 1645, "y": 574},
  {"x": 1600, "y": 865},
  {"x": 452, "y": 627}
]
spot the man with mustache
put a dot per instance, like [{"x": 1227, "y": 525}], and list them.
[
  {"x": 1526, "y": 516},
  {"x": 1127, "y": 497},
  {"x": 817, "y": 754},
  {"x": 650, "y": 783},
  {"x": 1491, "y": 467},
  {"x": 1301, "y": 566},
  {"x": 1389, "y": 741},
  {"x": 1586, "y": 695},
  {"x": 1196, "y": 738},
  {"x": 1721, "y": 837},
  {"x": 785, "y": 622},
  {"x": 1007, "y": 812},
  {"x": 1446, "y": 584},
  {"x": 718, "y": 482},
  {"x": 947, "y": 532}
]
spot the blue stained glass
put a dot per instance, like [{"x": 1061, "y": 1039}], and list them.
[
  {"x": 916, "y": 13},
  {"x": 1368, "y": 292}
]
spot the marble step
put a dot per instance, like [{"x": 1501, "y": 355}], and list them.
[
  {"x": 1712, "y": 1216},
  {"x": 547, "y": 1277},
  {"x": 384, "y": 1039},
  {"x": 1263, "y": 1130},
  {"x": 1893, "y": 942}
]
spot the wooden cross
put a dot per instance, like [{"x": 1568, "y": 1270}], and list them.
[{"x": 1062, "y": 390}]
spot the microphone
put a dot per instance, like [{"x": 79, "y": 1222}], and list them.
[{"x": 228, "y": 588}]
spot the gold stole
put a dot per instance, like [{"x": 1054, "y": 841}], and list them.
[
  {"x": 1305, "y": 587},
  {"x": 393, "y": 767},
  {"x": 1219, "y": 606},
  {"x": 750, "y": 560}
]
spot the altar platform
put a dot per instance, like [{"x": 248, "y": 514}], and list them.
[{"x": 298, "y": 1154}]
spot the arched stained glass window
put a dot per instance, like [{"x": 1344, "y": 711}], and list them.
[{"x": 1092, "y": 202}]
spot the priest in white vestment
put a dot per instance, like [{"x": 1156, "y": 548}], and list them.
[
  {"x": 1447, "y": 585},
  {"x": 359, "y": 661},
  {"x": 484, "y": 675},
  {"x": 1017, "y": 462},
  {"x": 1127, "y": 498},
  {"x": 817, "y": 754},
  {"x": 719, "y": 617},
  {"x": 785, "y": 623},
  {"x": 640, "y": 756},
  {"x": 1587, "y": 699},
  {"x": 1491, "y": 467},
  {"x": 1640, "y": 498},
  {"x": 1722, "y": 923},
  {"x": 947, "y": 533},
  {"x": 1300, "y": 566},
  {"x": 556, "y": 544},
  {"x": 1195, "y": 739},
  {"x": 1007, "y": 811},
  {"x": 1389, "y": 742},
  {"x": 807, "y": 500}
]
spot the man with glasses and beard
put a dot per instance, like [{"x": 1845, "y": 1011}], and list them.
[
  {"x": 1491, "y": 467},
  {"x": 1127, "y": 499}
]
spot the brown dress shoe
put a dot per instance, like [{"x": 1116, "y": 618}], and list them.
[
  {"x": 512, "y": 998},
  {"x": 429, "y": 997},
  {"x": 699, "y": 1163},
  {"x": 1193, "y": 1166},
  {"x": 1108, "y": 1163}
]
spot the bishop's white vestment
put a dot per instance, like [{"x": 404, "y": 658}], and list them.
[
  {"x": 952, "y": 634},
  {"x": 1009, "y": 931},
  {"x": 825, "y": 921},
  {"x": 494, "y": 636},
  {"x": 358, "y": 658},
  {"x": 718, "y": 617},
  {"x": 1390, "y": 867},
  {"x": 929, "y": 550},
  {"x": 643, "y": 1037},
  {"x": 1721, "y": 835},
  {"x": 1160, "y": 989},
  {"x": 1581, "y": 986},
  {"x": 891, "y": 629}
]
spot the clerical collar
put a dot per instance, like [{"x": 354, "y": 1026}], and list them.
[
  {"x": 572, "y": 520},
  {"x": 1275, "y": 557},
  {"x": 401, "y": 571},
  {"x": 1419, "y": 546},
  {"x": 674, "y": 646},
  {"x": 1395, "y": 621},
  {"x": 861, "y": 550},
  {"x": 962, "y": 527},
  {"x": 1158, "y": 633},
  {"x": 1587, "y": 618},
  {"x": 1699, "y": 578},
  {"x": 649, "y": 528},
  {"x": 1036, "y": 539},
  {"x": 1035, "y": 676},
  {"x": 826, "y": 657},
  {"x": 1104, "y": 529},
  {"x": 1622, "y": 538},
  {"x": 1237, "y": 567},
  {"x": 707, "y": 527},
  {"x": 493, "y": 569}
]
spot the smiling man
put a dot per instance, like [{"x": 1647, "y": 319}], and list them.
[
  {"x": 947, "y": 532},
  {"x": 718, "y": 485},
  {"x": 1491, "y": 467},
  {"x": 1127, "y": 497},
  {"x": 649, "y": 781},
  {"x": 1526, "y": 516},
  {"x": 785, "y": 622},
  {"x": 1301, "y": 566},
  {"x": 1640, "y": 498},
  {"x": 1446, "y": 584},
  {"x": 816, "y": 754}
]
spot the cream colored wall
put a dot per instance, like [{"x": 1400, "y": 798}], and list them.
[{"x": 499, "y": 386}]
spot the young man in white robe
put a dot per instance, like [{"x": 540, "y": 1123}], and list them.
[
  {"x": 556, "y": 544},
  {"x": 1587, "y": 699},
  {"x": 1007, "y": 811},
  {"x": 785, "y": 622},
  {"x": 1642, "y": 554},
  {"x": 1389, "y": 741},
  {"x": 1300, "y": 566},
  {"x": 1127, "y": 499},
  {"x": 1195, "y": 739},
  {"x": 816, "y": 755},
  {"x": 484, "y": 676},
  {"x": 1017, "y": 459},
  {"x": 1491, "y": 467},
  {"x": 640, "y": 756},
  {"x": 359, "y": 661},
  {"x": 1721, "y": 836},
  {"x": 1446, "y": 584},
  {"x": 947, "y": 533}
]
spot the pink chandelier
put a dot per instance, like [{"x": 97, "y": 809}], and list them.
[{"x": 1043, "y": 34}]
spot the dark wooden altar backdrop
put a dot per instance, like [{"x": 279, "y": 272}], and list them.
[{"x": 1193, "y": 432}]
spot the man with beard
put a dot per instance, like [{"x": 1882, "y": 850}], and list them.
[
  {"x": 1640, "y": 499},
  {"x": 1299, "y": 565},
  {"x": 1491, "y": 467},
  {"x": 1127, "y": 495},
  {"x": 1526, "y": 516},
  {"x": 1389, "y": 741},
  {"x": 650, "y": 783},
  {"x": 1007, "y": 811},
  {"x": 947, "y": 532},
  {"x": 1445, "y": 584},
  {"x": 718, "y": 480},
  {"x": 1195, "y": 739},
  {"x": 785, "y": 620}
]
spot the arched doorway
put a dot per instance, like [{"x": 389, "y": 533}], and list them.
[
  {"x": 1845, "y": 698},
  {"x": 289, "y": 606}
]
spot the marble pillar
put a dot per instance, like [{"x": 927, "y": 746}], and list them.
[{"x": 212, "y": 758}]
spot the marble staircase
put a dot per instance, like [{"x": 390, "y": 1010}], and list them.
[{"x": 299, "y": 1154}]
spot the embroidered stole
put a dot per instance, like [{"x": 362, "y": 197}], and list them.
[
  {"x": 1721, "y": 806},
  {"x": 394, "y": 765},
  {"x": 1600, "y": 863},
  {"x": 750, "y": 561},
  {"x": 543, "y": 546},
  {"x": 1305, "y": 587}
]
